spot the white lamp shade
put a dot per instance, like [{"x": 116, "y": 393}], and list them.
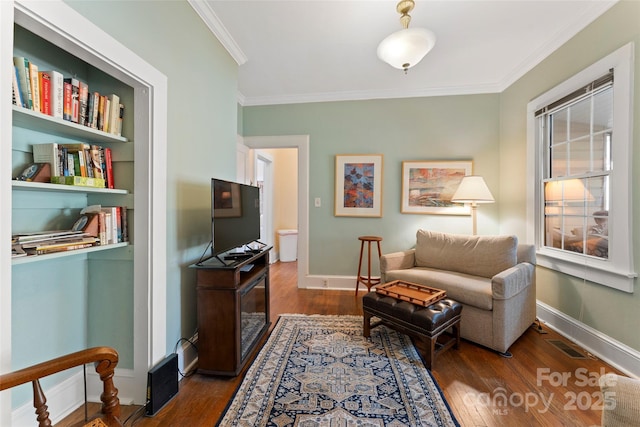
[
  {"x": 405, "y": 48},
  {"x": 472, "y": 189}
]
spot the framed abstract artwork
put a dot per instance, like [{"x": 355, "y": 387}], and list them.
[
  {"x": 427, "y": 187},
  {"x": 358, "y": 185}
]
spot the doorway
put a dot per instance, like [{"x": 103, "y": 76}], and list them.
[{"x": 301, "y": 142}]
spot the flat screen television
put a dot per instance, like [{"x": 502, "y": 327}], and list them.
[{"x": 235, "y": 217}]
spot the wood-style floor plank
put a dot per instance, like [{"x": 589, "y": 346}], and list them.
[{"x": 481, "y": 387}]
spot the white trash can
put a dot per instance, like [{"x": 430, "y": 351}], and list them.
[{"x": 288, "y": 240}]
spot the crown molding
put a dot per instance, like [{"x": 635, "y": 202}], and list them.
[
  {"x": 216, "y": 26},
  {"x": 246, "y": 101}
]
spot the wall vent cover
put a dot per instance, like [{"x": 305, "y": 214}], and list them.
[{"x": 566, "y": 349}]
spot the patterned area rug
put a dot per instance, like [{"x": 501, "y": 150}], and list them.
[{"x": 317, "y": 371}]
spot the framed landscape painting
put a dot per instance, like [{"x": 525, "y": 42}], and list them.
[
  {"x": 427, "y": 187},
  {"x": 358, "y": 185}
]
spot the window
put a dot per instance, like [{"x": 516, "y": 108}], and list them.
[{"x": 579, "y": 146}]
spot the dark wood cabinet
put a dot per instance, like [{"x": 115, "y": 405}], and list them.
[{"x": 233, "y": 312}]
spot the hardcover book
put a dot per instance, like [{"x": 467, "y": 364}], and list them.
[
  {"x": 78, "y": 180},
  {"x": 45, "y": 93},
  {"x": 17, "y": 94},
  {"x": 35, "y": 86},
  {"x": 75, "y": 98},
  {"x": 56, "y": 93},
  {"x": 23, "y": 78},
  {"x": 48, "y": 153},
  {"x": 67, "y": 104},
  {"x": 83, "y": 103}
]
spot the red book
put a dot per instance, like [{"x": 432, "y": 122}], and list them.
[
  {"x": 67, "y": 109},
  {"x": 45, "y": 93},
  {"x": 108, "y": 167}
]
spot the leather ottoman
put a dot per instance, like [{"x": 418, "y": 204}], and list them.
[{"x": 428, "y": 323}]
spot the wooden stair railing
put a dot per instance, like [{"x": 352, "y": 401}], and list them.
[{"x": 105, "y": 359}]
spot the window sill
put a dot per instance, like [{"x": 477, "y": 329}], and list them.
[{"x": 593, "y": 270}]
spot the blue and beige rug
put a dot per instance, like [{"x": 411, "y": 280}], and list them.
[{"x": 320, "y": 371}]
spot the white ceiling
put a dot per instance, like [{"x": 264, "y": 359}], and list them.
[{"x": 305, "y": 50}]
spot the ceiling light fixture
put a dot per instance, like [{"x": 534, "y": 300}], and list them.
[{"x": 405, "y": 48}]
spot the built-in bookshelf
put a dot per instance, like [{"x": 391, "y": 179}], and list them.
[{"x": 111, "y": 294}]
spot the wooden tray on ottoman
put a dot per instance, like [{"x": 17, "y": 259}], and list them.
[{"x": 411, "y": 292}]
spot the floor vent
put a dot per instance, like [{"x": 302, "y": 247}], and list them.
[{"x": 567, "y": 349}]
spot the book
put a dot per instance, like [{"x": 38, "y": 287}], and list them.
[
  {"x": 102, "y": 228},
  {"x": 78, "y": 151},
  {"x": 120, "y": 118},
  {"x": 125, "y": 226},
  {"x": 114, "y": 113},
  {"x": 48, "y": 153},
  {"x": 83, "y": 101},
  {"x": 67, "y": 108},
  {"x": 111, "y": 223},
  {"x": 56, "y": 93},
  {"x": 81, "y": 181},
  {"x": 35, "y": 86},
  {"x": 23, "y": 79},
  {"x": 100, "y": 116},
  {"x": 107, "y": 115},
  {"x": 45, "y": 93},
  {"x": 96, "y": 161},
  {"x": 108, "y": 167},
  {"x": 92, "y": 110},
  {"x": 75, "y": 98},
  {"x": 17, "y": 94}
]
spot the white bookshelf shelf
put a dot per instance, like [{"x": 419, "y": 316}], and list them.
[
  {"x": 36, "y": 258},
  {"x": 55, "y": 126},
  {"x": 43, "y": 186}
]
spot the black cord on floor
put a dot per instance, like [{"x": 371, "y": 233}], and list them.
[
  {"x": 137, "y": 412},
  {"x": 175, "y": 350}
]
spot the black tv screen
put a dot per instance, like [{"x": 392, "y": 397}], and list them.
[{"x": 235, "y": 215}]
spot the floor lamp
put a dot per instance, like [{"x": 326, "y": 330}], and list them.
[{"x": 474, "y": 190}]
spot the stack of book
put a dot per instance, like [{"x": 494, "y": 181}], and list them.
[
  {"x": 49, "y": 92},
  {"x": 47, "y": 242},
  {"x": 77, "y": 164}
]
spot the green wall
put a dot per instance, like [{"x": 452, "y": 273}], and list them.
[
  {"x": 611, "y": 312},
  {"x": 202, "y": 128},
  {"x": 488, "y": 129},
  {"x": 417, "y": 129}
]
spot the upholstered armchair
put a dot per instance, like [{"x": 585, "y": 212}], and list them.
[{"x": 621, "y": 401}]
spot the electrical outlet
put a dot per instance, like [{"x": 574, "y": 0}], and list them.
[
  {"x": 325, "y": 283},
  {"x": 317, "y": 202}
]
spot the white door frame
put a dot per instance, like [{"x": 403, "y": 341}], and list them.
[
  {"x": 267, "y": 191},
  {"x": 301, "y": 142}
]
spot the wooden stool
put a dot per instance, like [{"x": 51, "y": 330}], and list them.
[{"x": 368, "y": 281}]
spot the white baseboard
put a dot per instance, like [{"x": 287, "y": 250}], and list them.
[
  {"x": 611, "y": 351},
  {"x": 336, "y": 283},
  {"x": 62, "y": 399},
  {"x": 187, "y": 356},
  {"x": 68, "y": 395}
]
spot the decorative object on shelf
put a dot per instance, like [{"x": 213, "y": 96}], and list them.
[
  {"x": 406, "y": 48},
  {"x": 473, "y": 190},
  {"x": 358, "y": 185},
  {"x": 36, "y": 172},
  {"x": 428, "y": 187}
]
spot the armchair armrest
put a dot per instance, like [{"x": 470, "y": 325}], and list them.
[
  {"x": 397, "y": 261},
  {"x": 511, "y": 281}
]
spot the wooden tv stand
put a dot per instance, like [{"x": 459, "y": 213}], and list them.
[{"x": 229, "y": 297}]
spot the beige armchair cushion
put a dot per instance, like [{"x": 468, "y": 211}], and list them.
[
  {"x": 483, "y": 256},
  {"x": 621, "y": 401}
]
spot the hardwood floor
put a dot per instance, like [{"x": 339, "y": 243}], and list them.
[{"x": 540, "y": 385}]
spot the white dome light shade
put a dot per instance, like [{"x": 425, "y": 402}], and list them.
[{"x": 405, "y": 48}]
